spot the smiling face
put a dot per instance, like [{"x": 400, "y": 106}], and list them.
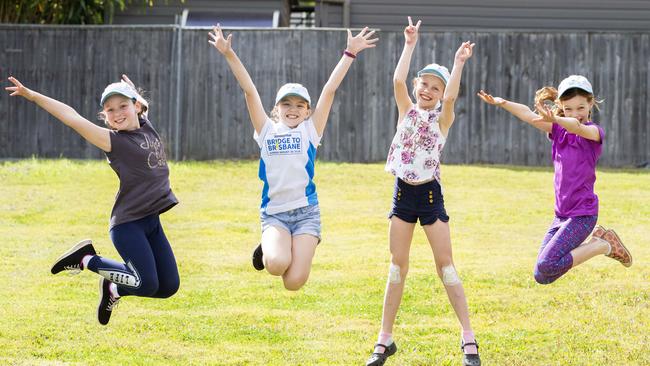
[
  {"x": 577, "y": 106},
  {"x": 428, "y": 90},
  {"x": 120, "y": 113},
  {"x": 293, "y": 110}
]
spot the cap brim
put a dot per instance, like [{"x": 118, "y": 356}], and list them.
[
  {"x": 292, "y": 95},
  {"x": 434, "y": 73},
  {"x": 101, "y": 102},
  {"x": 559, "y": 94}
]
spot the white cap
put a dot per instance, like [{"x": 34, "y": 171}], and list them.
[
  {"x": 437, "y": 71},
  {"x": 292, "y": 89},
  {"x": 574, "y": 81},
  {"x": 120, "y": 88}
]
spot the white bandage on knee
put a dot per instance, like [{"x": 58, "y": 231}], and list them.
[
  {"x": 394, "y": 275},
  {"x": 450, "y": 276}
]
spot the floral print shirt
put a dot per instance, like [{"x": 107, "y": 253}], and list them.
[{"x": 414, "y": 154}]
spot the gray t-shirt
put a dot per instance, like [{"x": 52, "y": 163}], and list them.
[{"x": 138, "y": 159}]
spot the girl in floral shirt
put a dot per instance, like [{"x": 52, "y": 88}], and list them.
[{"x": 414, "y": 159}]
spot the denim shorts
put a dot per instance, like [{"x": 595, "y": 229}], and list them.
[
  {"x": 303, "y": 220},
  {"x": 413, "y": 202}
]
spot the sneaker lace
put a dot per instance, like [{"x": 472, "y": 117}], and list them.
[
  {"x": 74, "y": 269},
  {"x": 112, "y": 303}
]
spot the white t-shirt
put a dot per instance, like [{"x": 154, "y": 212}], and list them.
[{"x": 287, "y": 158}]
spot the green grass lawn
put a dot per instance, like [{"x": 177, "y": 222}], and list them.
[{"x": 226, "y": 313}]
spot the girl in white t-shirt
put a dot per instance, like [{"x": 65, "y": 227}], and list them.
[{"x": 288, "y": 140}]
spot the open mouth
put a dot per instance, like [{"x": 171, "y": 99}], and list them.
[
  {"x": 425, "y": 97},
  {"x": 291, "y": 116}
]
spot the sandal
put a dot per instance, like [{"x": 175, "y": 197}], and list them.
[
  {"x": 599, "y": 232},
  {"x": 470, "y": 359},
  {"x": 617, "y": 250},
  {"x": 378, "y": 359}
]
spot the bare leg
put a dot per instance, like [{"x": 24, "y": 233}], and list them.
[
  {"x": 276, "y": 245},
  {"x": 440, "y": 241},
  {"x": 302, "y": 253},
  {"x": 400, "y": 236},
  {"x": 595, "y": 246}
]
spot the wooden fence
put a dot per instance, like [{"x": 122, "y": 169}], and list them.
[{"x": 199, "y": 110}]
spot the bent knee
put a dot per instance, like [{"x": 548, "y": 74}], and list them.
[
  {"x": 295, "y": 283},
  {"x": 277, "y": 266},
  {"x": 168, "y": 289}
]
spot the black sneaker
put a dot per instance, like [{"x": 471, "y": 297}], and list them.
[
  {"x": 106, "y": 302},
  {"x": 258, "y": 263},
  {"x": 71, "y": 260}
]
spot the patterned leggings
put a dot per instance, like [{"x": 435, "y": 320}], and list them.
[{"x": 564, "y": 235}]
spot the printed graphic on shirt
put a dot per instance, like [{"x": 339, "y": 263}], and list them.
[
  {"x": 284, "y": 144},
  {"x": 156, "y": 157}
]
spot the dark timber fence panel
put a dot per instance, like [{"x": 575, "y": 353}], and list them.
[{"x": 199, "y": 109}]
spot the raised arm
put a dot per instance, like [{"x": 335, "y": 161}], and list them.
[
  {"x": 447, "y": 115},
  {"x": 94, "y": 134},
  {"x": 355, "y": 45},
  {"x": 253, "y": 101},
  {"x": 572, "y": 125},
  {"x": 400, "y": 87},
  {"x": 518, "y": 110},
  {"x": 141, "y": 105}
]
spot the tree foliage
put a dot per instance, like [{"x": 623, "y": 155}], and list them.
[{"x": 63, "y": 11}]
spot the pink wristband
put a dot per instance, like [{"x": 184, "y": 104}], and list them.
[{"x": 349, "y": 54}]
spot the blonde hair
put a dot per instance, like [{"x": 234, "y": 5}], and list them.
[{"x": 548, "y": 96}]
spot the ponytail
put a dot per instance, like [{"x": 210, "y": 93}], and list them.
[{"x": 548, "y": 96}]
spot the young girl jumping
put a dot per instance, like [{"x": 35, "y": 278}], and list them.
[
  {"x": 288, "y": 140},
  {"x": 135, "y": 153},
  {"x": 576, "y": 146},
  {"x": 414, "y": 159}
]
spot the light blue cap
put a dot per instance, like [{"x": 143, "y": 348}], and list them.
[
  {"x": 437, "y": 71},
  {"x": 120, "y": 88},
  {"x": 292, "y": 89},
  {"x": 574, "y": 81}
]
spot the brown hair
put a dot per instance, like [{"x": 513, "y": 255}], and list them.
[
  {"x": 548, "y": 96},
  {"x": 102, "y": 116}
]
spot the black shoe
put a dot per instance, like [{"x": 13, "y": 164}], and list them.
[
  {"x": 378, "y": 359},
  {"x": 470, "y": 360},
  {"x": 71, "y": 260},
  {"x": 106, "y": 302},
  {"x": 258, "y": 263}
]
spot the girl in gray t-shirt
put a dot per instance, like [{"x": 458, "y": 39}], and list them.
[{"x": 134, "y": 151}]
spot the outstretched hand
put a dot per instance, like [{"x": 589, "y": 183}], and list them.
[
  {"x": 128, "y": 81},
  {"x": 361, "y": 41},
  {"x": 489, "y": 99},
  {"x": 545, "y": 113},
  {"x": 411, "y": 32},
  {"x": 19, "y": 89},
  {"x": 464, "y": 52},
  {"x": 222, "y": 44}
]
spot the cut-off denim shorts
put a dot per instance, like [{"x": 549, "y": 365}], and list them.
[
  {"x": 303, "y": 220},
  {"x": 413, "y": 202}
]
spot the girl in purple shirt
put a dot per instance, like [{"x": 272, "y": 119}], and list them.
[{"x": 576, "y": 147}]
